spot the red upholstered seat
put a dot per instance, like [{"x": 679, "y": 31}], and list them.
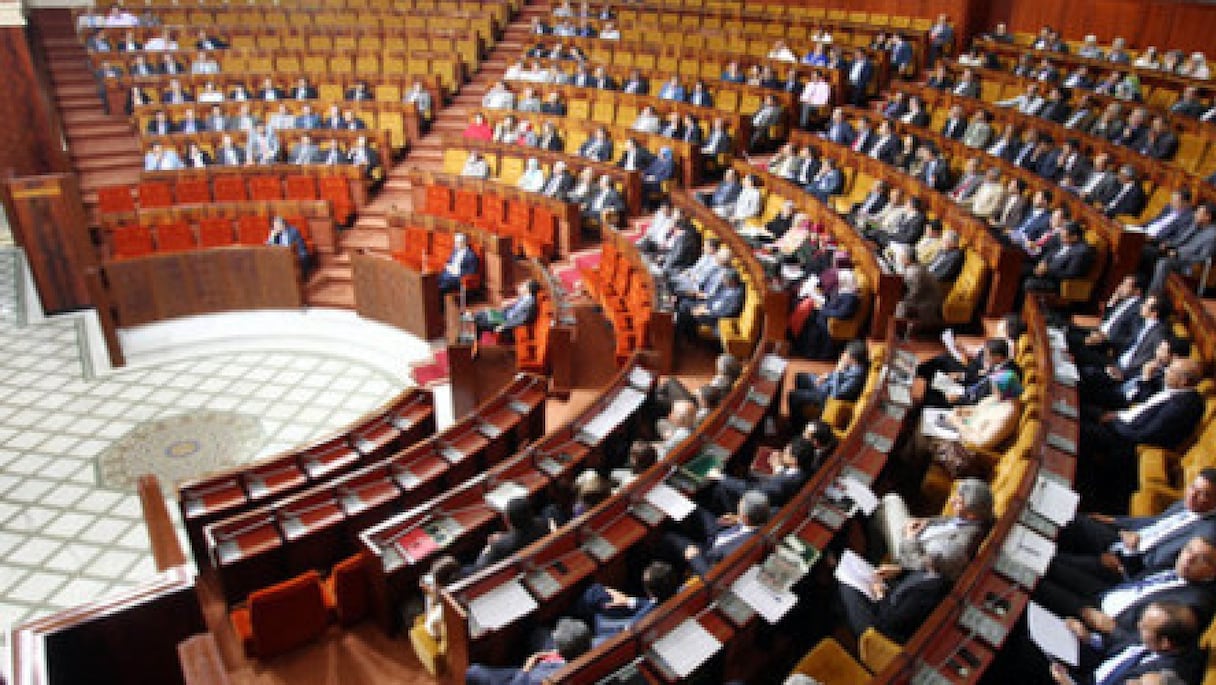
[
  {"x": 252, "y": 230},
  {"x": 265, "y": 188},
  {"x": 115, "y": 200},
  {"x": 193, "y": 192},
  {"x": 336, "y": 190},
  {"x": 130, "y": 241},
  {"x": 301, "y": 187},
  {"x": 438, "y": 201},
  {"x": 282, "y": 617},
  {"x": 466, "y": 206},
  {"x": 155, "y": 194},
  {"x": 215, "y": 232},
  {"x": 493, "y": 213},
  {"x": 230, "y": 189},
  {"x": 347, "y": 592},
  {"x": 175, "y": 237}
]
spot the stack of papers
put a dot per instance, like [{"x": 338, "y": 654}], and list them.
[
  {"x": 669, "y": 501},
  {"x": 1054, "y": 501},
  {"x": 686, "y": 647},
  {"x": 946, "y": 385},
  {"x": 861, "y": 495},
  {"x": 500, "y": 606},
  {"x": 754, "y": 588},
  {"x": 505, "y": 492},
  {"x": 857, "y": 573},
  {"x": 620, "y": 408},
  {"x": 1029, "y": 549},
  {"x": 933, "y": 424},
  {"x": 1051, "y": 634}
]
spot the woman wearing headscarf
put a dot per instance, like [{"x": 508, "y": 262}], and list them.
[
  {"x": 980, "y": 429},
  {"x": 533, "y": 179}
]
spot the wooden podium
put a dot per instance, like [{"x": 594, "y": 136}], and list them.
[{"x": 399, "y": 296}]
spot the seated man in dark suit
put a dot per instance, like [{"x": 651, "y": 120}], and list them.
[
  {"x": 1116, "y": 326},
  {"x": 1100, "y": 378},
  {"x": 462, "y": 262},
  {"x": 523, "y": 528},
  {"x": 726, "y": 303},
  {"x": 1164, "y": 643},
  {"x": 609, "y": 611},
  {"x": 947, "y": 264},
  {"x": 1191, "y": 581},
  {"x": 1099, "y": 551},
  {"x": 843, "y": 383},
  {"x": 521, "y": 312},
  {"x": 1107, "y": 449},
  {"x": 1070, "y": 260},
  {"x": 895, "y": 606},
  {"x": 791, "y": 467},
  {"x": 719, "y": 537},
  {"x": 571, "y": 639}
]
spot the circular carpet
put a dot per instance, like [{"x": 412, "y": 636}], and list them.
[{"x": 179, "y": 448}]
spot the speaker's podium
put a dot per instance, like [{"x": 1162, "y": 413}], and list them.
[{"x": 475, "y": 372}]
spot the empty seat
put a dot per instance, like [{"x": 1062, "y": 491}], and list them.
[
  {"x": 175, "y": 237},
  {"x": 215, "y": 232},
  {"x": 130, "y": 241},
  {"x": 155, "y": 194},
  {"x": 252, "y": 230},
  {"x": 301, "y": 188},
  {"x": 230, "y": 189},
  {"x": 336, "y": 190},
  {"x": 282, "y": 617},
  {"x": 193, "y": 192},
  {"x": 347, "y": 592},
  {"x": 115, "y": 199},
  {"x": 265, "y": 188}
]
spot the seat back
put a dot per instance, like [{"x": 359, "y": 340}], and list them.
[
  {"x": 265, "y": 188},
  {"x": 130, "y": 241},
  {"x": 287, "y": 615},
  {"x": 301, "y": 187},
  {"x": 155, "y": 194},
  {"x": 215, "y": 232},
  {"x": 193, "y": 191},
  {"x": 114, "y": 199},
  {"x": 175, "y": 237},
  {"x": 230, "y": 189},
  {"x": 350, "y": 589},
  {"x": 252, "y": 229}
]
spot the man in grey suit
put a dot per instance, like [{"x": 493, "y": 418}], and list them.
[
  {"x": 1195, "y": 244},
  {"x": 979, "y": 131},
  {"x": 949, "y": 541}
]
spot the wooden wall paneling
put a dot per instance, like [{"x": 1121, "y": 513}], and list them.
[
  {"x": 1192, "y": 27},
  {"x": 30, "y": 142},
  {"x": 1187, "y": 25},
  {"x": 390, "y": 292},
  {"x": 48, "y": 221}
]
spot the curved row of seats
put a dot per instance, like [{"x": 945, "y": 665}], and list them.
[
  {"x": 423, "y": 242},
  {"x": 1162, "y": 89},
  {"x": 574, "y": 131},
  {"x": 407, "y": 418},
  {"x": 316, "y": 522},
  {"x": 1191, "y": 158},
  {"x": 624, "y": 287},
  {"x": 1106, "y": 236}
]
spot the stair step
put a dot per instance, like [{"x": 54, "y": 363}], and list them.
[
  {"x": 86, "y": 118},
  {"x": 90, "y": 147},
  {"x": 110, "y": 129},
  {"x": 109, "y": 162},
  {"x": 92, "y": 180},
  {"x": 336, "y": 295}
]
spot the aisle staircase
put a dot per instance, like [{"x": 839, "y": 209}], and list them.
[
  {"x": 102, "y": 147},
  {"x": 332, "y": 285}
]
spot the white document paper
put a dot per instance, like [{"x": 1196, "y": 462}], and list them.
[
  {"x": 773, "y": 364},
  {"x": 861, "y": 495},
  {"x": 501, "y": 606},
  {"x": 857, "y": 573},
  {"x": 946, "y": 385},
  {"x": 619, "y": 408},
  {"x": 1065, "y": 370},
  {"x": 669, "y": 501},
  {"x": 505, "y": 492},
  {"x": 770, "y": 602},
  {"x": 899, "y": 394},
  {"x": 951, "y": 344},
  {"x": 933, "y": 424},
  {"x": 1030, "y": 549},
  {"x": 686, "y": 647},
  {"x": 1050, "y": 633},
  {"x": 640, "y": 377},
  {"x": 1053, "y": 501},
  {"x": 1057, "y": 339}
]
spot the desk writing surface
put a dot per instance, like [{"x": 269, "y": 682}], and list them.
[
  {"x": 1000, "y": 598},
  {"x": 619, "y": 409},
  {"x": 428, "y": 465},
  {"x": 354, "y": 497},
  {"x": 501, "y": 417},
  {"x": 298, "y": 523},
  {"x": 955, "y": 653}
]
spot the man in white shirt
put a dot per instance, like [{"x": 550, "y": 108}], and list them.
[{"x": 815, "y": 96}]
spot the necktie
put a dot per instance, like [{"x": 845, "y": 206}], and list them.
[
  {"x": 1115, "y": 669},
  {"x": 1163, "y": 528},
  {"x": 1119, "y": 599},
  {"x": 1125, "y": 359}
]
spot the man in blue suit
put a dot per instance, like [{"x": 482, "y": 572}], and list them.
[
  {"x": 462, "y": 262},
  {"x": 791, "y": 467},
  {"x": 901, "y": 55},
  {"x": 1097, "y": 550},
  {"x": 571, "y": 638},
  {"x": 610, "y": 611},
  {"x": 844, "y": 383},
  {"x": 725, "y": 303},
  {"x": 858, "y": 74},
  {"x": 718, "y": 536},
  {"x": 284, "y": 234},
  {"x": 828, "y": 182},
  {"x": 521, "y": 312},
  {"x": 1107, "y": 449},
  {"x": 660, "y": 169},
  {"x": 1037, "y": 220}
]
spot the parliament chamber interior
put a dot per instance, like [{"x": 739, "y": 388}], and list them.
[{"x": 608, "y": 341}]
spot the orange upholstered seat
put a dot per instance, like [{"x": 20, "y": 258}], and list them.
[
  {"x": 252, "y": 230},
  {"x": 336, "y": 190},
  {"x": 265, "y": 188},
  {"x": 347, "y": 592},
  {"x": 130, "y": 241},
  {"x": 193, "y": 192},
  {"x": 215, "y": 232},
  {"x": 230, "y": 189},
  {"x": 175, "y": 237},
  {"x": 155, "y": 194},
  {"x": 115, "y": 199},
  {"x": 282, "y": 617},
  {"x": 301, "y": 188}
]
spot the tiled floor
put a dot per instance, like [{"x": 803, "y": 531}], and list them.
[{"x": 64, "y": 538}]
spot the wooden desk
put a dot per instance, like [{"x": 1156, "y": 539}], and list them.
[{"x": 394, "y": 294}]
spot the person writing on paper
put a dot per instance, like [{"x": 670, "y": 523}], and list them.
[
  {"x": 1099, "y": 551},
  {"x": 523, "y": 528},
  {"x": 571, "y": 639},
  {"x": 521, "y": 312},
  {"x": 642, "y": 456},
  {"x": 967, "y": 366},
  {"x": 718, "y": 536},
  {"x": 950, "y": 541},
  {"x": 428, "y": 635},
  {"x": 1190, "y": 581}
]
